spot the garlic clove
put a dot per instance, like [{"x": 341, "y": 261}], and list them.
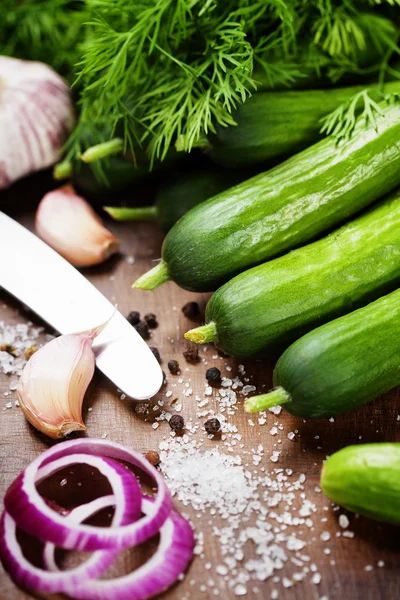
[
  {"x": 69, "y": 224},
  {"x": 54, "y": 381},
  {"x": 36, "y": 115}
]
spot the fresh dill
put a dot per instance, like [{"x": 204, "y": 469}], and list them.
[{"x": 152, "y": 72}]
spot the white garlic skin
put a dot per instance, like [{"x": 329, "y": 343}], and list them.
[
  {"x": 36, "y": 116},
  {"x": 53, "y": 384},
  {"x": 67, "y": 223}
]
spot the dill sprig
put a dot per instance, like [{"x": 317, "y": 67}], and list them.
[
  {"x": 167, "y": 70},
  {"x": 152, "y": 72},
  {"x": 51, "y": 31}
]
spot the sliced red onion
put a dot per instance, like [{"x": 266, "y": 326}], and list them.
[
  {"x": 128, "y": 509},
  {"x": 24, "y": 503},
  {"x": 173, "y": 555},
  {"x": 78, "y": 515}
]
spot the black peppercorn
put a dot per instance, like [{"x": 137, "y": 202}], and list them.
[
  {"x": 213, "y": 376},
  {"x": 151, "y": 320},
  {"x": 142, "y": 330},
  {"x": 191, "y": 354},
  {"x": 177, "y": 422},
  {"x": 156, "y": 354},
  {"x": 191, "y": 311},
  {"x": 212, "y": 426},
  {"x": 134, "y": 317},
  {"x": 173, "y": 366}
]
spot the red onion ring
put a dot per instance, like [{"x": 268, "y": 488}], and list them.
[
  {"x": 128, "y": 509},
  {"x": 173, "y": 555},
  {"x": 24, "y": 503}
]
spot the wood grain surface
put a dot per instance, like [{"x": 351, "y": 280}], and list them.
[{"x": 343, "y": 571}]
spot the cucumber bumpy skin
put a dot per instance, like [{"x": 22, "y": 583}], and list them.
[
  {"x": 283, "y": 208},
  {"x": 365, "y": 479},
  {"x": 276, "y": 303},
  {"x": 340, "y": 365}
]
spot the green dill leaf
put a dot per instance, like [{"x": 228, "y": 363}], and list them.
[{"x": 341, "y": 122}]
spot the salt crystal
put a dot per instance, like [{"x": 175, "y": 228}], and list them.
[
  {"x": 276, "y": 410},
  {"x": 240, "y": 590},
  {"x": 247, "y": 389},
  {"x": 63, "y": 482},
  {"x": 291, "y": 435},
  {"x": 325, "y": 536},
  {"x": 368, "y": 568},
  {"x": 381, "y": 563},
  {"x": 348, "y": 534},
  {"x": 316, "y": 578},
  {"x": 275, "y": 456},
  {"x": 155, "y": 425},
  {"x": 344, "y": 521}
]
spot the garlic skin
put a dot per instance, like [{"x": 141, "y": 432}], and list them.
[
  {"x": 36, "y": 115},
  {"x": 69, "y": 224},
  {"x": 54, "y": 381}
]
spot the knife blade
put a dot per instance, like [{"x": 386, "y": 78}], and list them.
[{"x": 62, "y": 296}]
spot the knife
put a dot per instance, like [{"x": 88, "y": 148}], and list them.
[{"x": 62, "y": 296}]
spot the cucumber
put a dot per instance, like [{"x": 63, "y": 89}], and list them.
[
  {"x": 274, "y": 125},
  {"x": 276, "y": 303},
  {"x": 179, "y": 194},
  {"x": 365, "y": 479},
  {"x": 285, "y": 207},
  {"x": 340, "y": 365}
]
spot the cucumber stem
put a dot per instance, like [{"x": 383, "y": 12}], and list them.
[
  {"x": 204, "y": 334},
  {"x": 140, "y": 213},
  {"x": 103, "y": 150},
  {"x": 153, "y": 278},
  {"x": 275, "y": 397},
  {"x": 62, "y": 170}
]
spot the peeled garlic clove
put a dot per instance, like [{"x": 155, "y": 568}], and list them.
[
  {"x": 54, "y": 381},
  {"x": 36, "y": 115},
  {"x": 68, "y": 224}
]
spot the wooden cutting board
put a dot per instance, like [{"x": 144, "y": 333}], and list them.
[{"x": 345, "y": 571}]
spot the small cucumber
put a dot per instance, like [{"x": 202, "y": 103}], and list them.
[
  {"x": 366, "y": 480},
  {"x": 274, "y": 125},
  {"x": 283, "y": 208},
  {"x": 179, "y": 194},
  {"x": 340, "y": 365},
  {"x": 277, "y": 302}
]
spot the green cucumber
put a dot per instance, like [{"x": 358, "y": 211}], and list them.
[
  {"x": 274, "y": 125},
  {"x": 366, "y": 480},
  {"x": 340, "y": 365},
  {"x": 179, "y": 194},
  {"x": 285, "y": 207},
  {"x": 276, "y": 303}
]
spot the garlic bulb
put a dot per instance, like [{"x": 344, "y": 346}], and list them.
[
  {"x": 54, "y": 381},
  {"x": 68, "y": 224},
  {"x": 36, "y": 115}
]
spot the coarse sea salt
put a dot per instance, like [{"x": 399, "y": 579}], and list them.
[{"x": 19, "y": 338}]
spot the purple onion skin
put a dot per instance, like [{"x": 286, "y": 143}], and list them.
[
  {"x": 28, "y": 576},
  {"x": 171, "y": 559},
  {"x": 33, "y": 515}
]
